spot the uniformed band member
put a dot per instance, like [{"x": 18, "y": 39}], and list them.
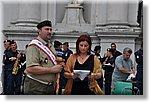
[
  {"x": 41, "y": 65},
  {"x": 12, "y": 82},
  {"x": 139, "y": 76},
  {"x": 4, "y": 71}
]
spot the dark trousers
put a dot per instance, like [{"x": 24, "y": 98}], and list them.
[
  {"x": 139, "y": 78},
  {"x": 13, "y": 83},
  {"x": 5, "y": 74},
  {"x": 18, "y": 82},
  {"x": 62, "y": 82},
  {"x": 108, "y": 79},
  {"x": 9, "y": 83}
]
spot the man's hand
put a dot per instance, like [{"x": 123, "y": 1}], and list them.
[
  {"x": 56, "y": 68},
  {"x": 12, "y": 58}
]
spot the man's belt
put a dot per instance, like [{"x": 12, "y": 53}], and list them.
[{"x": 43, "y": 82}]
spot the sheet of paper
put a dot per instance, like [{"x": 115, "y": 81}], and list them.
[
  {"x": 130, "y": 77},
  {"x": 82, "y": 73},
  {"x": 107, "y": 64}
]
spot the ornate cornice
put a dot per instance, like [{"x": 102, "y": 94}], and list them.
[{"x": 117, "y": 31}]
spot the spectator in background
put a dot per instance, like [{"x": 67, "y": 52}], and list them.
[
  {"x": 67, "y": 51},
  {"x": 58, "y": 48},
  {"x": 60, "y": 54},
  {"x": 108, "y": 66},
  {"x": 97, "y": 51},
  {"x": 116, "y": 52},
  {"x": 123, "y": 67},
  {"x": 23, "y": 67},
  {"x": 66, "y": 54}
]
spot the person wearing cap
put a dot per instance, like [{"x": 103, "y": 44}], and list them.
[
  {"x": 59, "y": 53},
  {"x": 123, "y": 68},
  {"x": 139, "y": 75},
  {"x": 67, "y": 51},
  {"x": 7, "y": 44},
  {"x": 58, "y": 48},
  {"x": 116, "y": 52},
  {"x": 66, "y": 54},
  {"x": 41, "y": 66},
  {"x": 12, "y": 82}
]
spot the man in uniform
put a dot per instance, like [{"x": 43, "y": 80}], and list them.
[
  {"x": 12, "y": 82},
  {"x": 4, "y": 72},
  {"x": 139, "y": 75},
  {"x": 41, "y": 66}
]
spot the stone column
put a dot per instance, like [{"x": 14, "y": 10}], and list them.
[
  {"x": 120, "y": 12},
  {"x": 117, "y": 12},
  {"x": 133, "y": 12},
  {"x": 101, "y": 11},
  {"x": 117, "y": 22},
  {"x": 24, "y": 28},
  {"x": 29, "y": 14},
  {"x": 51, "y": 6}
]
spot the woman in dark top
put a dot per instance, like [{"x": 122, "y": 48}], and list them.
[
  {"x": 82, "y": 60},
  {"x": 80, "y": 87},
  {"x": 109, "y": 68}
]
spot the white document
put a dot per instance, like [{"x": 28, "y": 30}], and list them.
[
  {"x": 107, "y": 64},
  {"x": 82, "y": 73},
  {"x": 130, "y": 77}
]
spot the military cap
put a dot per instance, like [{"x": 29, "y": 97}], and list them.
[
  {"x": 6, "y": 41},
  {"x": 44, "y": 23},
  {"x": 110, "y": 50},
  {"x": 57, "y": 44},
  {"x": 66, "y": 43}
]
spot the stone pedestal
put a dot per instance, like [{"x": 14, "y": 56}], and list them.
[
  {"x": 73, "y": 15},
  {"x": 73, "y": 20},
  {"x": 72, "y": 26}
]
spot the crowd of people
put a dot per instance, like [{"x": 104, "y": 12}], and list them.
[{"x": 51, "y": 69}]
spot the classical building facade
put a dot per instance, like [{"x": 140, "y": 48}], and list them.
[{"x": 106, "y": 21}]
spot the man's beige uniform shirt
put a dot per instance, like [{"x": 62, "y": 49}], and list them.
[{"x": 36, "y": 57}]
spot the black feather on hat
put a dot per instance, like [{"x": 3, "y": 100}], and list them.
[{"x": 44, "y": 23}]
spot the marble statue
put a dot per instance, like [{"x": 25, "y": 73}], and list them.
[{"x": 76, "y": 2}]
